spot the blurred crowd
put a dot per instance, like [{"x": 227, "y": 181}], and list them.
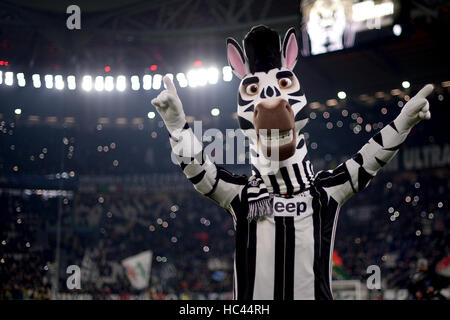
[{"x": 399, "y": 224}]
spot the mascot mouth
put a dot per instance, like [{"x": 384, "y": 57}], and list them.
[
  {"x": 275, "y": 140},
  {"x": 275, "y": 129},
  {"x": 275, "y": 137}
]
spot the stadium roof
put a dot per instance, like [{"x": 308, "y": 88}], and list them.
[{"x": 131, "y": 35}]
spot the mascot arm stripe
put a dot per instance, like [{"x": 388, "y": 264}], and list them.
[
  {"x": 356, "y": 173},
  {"x": 209, "y": 179}
]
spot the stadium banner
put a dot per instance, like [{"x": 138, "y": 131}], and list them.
[
  {"x": 138, "y": 269},
  {"x": 428, "y": 156}
]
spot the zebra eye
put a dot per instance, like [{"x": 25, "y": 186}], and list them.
[
  {"x": 285, "y": 83},
  {"x": 252, "y": 89}
]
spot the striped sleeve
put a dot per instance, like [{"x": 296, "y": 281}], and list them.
[
  {"x": 356, "y": 173},
  {"x": 209, "y": 179}
]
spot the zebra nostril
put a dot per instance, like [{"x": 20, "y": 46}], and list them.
[{"x": 255, "y": 113}]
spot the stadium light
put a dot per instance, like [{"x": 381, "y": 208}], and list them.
[
  {"x": 109, "y": 83},
  {"x": 182, "y": 81},
  {"x": 227, "y": 74},
  {"x": 147, "y": 82},
  {"x": 397, "y": 30},
  {"x": 71, "y": 82},
  {"x": 192, "y": 78},
  {"x": 36, "y": 80},
  {"x": 151, "y": 115},
  {"x": 406, "y": 84},
  {"x": 86, "y": 83},
  {"x": 197, "y": 77},
  {"x": 342, "y": 95},
  {"x": 59, "y": 82},
  {"x": 99, "y": 83},
  {"x": 1, "y": 77},
  {"x": 21, "y": 79},
  {"x": 135, "y": 84},
  {"x": 48, "y": 78},
  {"x": 157, "y": 81},
  {"x": 202, "y": 77},
  {"x": 18, "y": 111},
  {"x": 9, "y": 78},
  {"x": 121, "y": 83},
  {"x": 213, "y": 75},
  {"x": 215, "y": 112}
]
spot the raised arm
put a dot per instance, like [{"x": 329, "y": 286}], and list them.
[
  {"x": 356, "y": 173},
  {"x": 209, "y": 179}
]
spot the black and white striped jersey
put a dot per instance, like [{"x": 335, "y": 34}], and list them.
[{"x": 287, "y": 255}]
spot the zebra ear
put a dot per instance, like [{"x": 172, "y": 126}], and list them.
[
  {"x": 290, "y": 49},
  {"x": 236, "y": 58}
]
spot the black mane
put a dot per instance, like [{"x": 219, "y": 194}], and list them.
[{"x": 262, "y": 48}]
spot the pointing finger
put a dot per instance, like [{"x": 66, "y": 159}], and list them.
[
  {"x": 425, "y": 91},
  {"x": 169, "y": 84}
]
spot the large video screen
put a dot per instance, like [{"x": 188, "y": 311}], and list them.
[{"x": 331, "y": 25}]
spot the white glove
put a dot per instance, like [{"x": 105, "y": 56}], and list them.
[
  {"x": 415, "y": 110},
  {"x": 169, "y": 106}
]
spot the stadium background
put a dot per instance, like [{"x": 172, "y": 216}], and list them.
[{"x": 86, "y": 177}]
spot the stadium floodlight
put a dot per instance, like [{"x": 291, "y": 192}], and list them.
[
  {"x": 99, "y": 83},
  {"x": 397, "y": 30},
  {"x": 21, "y": 79},
  {"x": 121, "y": 83},
  {"x": 192, "y": 78},
  {"x": 202, "y": 77},
  {"x": 151, "y": 115},
  {"x": 36, "y": 80},
  {"x": 147, "y": 82},
  {"x": 86, "y": 83},
  {"x": 213, "y": 75},
  {"x": 1, "y": 77},
  {"x": 215, "y": 112},
  {"x": 18, "y": 111},
  {"x": 9, "y": 78},
  {"x": 157, "y": 81},
  {"x": 59, "y": 82},
  {"x": 135, "y": 84},
  {"x": 406, "y": 84},
  {"x": 182, "y": 81},
  {"x": 109, "y": 83},
  {"x": 197, "y": 77},
  {"x": 71, "y": 83},
  {"x": 48, "y": 78},
  {"x": 342, "y": 95},
  {"x": 227, "y": 73}
]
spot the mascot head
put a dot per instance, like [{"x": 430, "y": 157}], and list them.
[{"x": 271, "y": 103}]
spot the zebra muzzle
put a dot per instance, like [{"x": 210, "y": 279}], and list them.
[{"x": 275, "y": 128}]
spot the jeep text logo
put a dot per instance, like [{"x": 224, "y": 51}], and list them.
[{"x": 289, "y": 208}]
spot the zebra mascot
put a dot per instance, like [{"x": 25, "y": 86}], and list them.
[{"x": 284, "y": 215}]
